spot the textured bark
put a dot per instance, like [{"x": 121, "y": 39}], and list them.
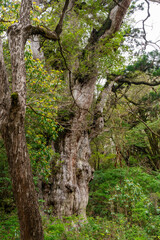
[
  {"x": 35, "y": 42},
  {"x": 72, "y": 172},
  {"x": 22, "y": 180},
  {"x": 36, "y": 49},
  {"x": 12, "y": 130},
  {"x": 98, "y": 121},
  {"x": 69, "y": 193},
  {"x": 12, "y": 110}
]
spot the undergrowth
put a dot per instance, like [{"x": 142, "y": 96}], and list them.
[{"x": 124, "y": 205}]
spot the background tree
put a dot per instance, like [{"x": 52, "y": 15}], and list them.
[{"x": 133, "y": 128}]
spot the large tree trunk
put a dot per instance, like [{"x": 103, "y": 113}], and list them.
[
  {"x": 68, "y": 191},
  {"x": 72, "y": 172}
]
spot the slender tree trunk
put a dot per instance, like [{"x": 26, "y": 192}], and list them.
[
  {"x": 22, "y": 180},
  {"x": 12, "y": 130},
  {"x": 12, "y": 116}
]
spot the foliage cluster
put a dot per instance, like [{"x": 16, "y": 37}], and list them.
[{"x": 44, "y": 90}]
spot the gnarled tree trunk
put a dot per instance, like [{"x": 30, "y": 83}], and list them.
[
  {"x": 72, "y": 172},
  {"x": 70, "y": 182},
  {"x": 69, "y": 193}
]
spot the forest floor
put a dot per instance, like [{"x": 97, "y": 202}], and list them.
[{"x": 124, "y": 204}]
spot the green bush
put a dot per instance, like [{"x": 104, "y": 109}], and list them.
[
  {"x": 9, "y": 226},
  {"x": 132, "y": 194}
]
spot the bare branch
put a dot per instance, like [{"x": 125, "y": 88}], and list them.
[
  {"x": 58, "y": 29},
  {"x": 157, "y": 1},
  {"x": 40, "y": 114},
  {"x": 143, "y": 22},
  {"x": 130, "y": 101},
  {"x": 2, "y": 20}
]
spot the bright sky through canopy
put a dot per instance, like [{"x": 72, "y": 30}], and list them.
[{"x": 152, "y": 24}]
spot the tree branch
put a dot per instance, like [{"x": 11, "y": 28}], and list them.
[
  {"x": 47, "y": 33},
  {"x": 143, "y": 22},
  {"x": 6, "y": 21},
  {"x": 130, "y": 101},
  {"x": 138, "y": 82},
  {"x": 70, "y": 78},
  {"x": 98, "y": 121},
  {"x": 112, "y": 23},
  {"x": 37, "y": 30},
  {"x": 157, "y": 1},
  {"x": 58, "y": 29}
]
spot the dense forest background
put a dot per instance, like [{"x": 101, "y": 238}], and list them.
[{"x": 92, "y": 122}]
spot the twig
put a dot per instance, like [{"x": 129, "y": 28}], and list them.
[{"x": 143, "y": 22}]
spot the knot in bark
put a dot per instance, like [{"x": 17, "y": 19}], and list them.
[{"x": 70, "y": 187}]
